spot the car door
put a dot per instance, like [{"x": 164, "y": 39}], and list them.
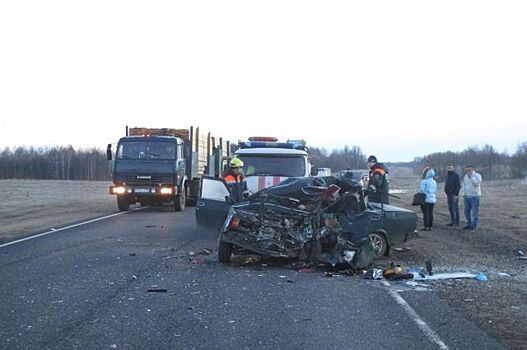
[{"x": 213, "y": 203}]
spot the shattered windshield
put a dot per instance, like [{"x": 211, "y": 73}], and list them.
[
  {"x": 273, "y": 165},
  {"x": 146, "y": 150}
]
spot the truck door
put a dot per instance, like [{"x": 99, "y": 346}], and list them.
[
  {"x": 213, "y": 203},
  {"x": 180, "y": 164}
]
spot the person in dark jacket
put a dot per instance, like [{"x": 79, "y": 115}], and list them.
[
  {"x": 378, "y": 186},
  {"x": 235, "y": 180},
  {"x": 452, "y": 188}
]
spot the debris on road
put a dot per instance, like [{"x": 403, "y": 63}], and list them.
[
  {"x": 157, "y": 290},
  {"x": 428, "y": 265},
  {"x": 449, "y": 275},
  {"x": 373, "y": 274},
  {"x": 401, "y": 249}
]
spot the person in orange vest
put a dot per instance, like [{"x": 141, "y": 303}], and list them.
[
  {"x": 235, "y": 180},
  {"x": 378, "y": 186}
]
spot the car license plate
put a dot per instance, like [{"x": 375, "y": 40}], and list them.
[{"x": 142, "y": 190}]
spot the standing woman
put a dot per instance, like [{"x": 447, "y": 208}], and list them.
[{"x": 428, "y": 186}]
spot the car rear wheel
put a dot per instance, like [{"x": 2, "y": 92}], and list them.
[
  {"x": 224, "y": 251},
  {"x": 379, "y": 243}
]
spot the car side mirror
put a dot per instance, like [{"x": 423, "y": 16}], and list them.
[
  {"x": 109, "y": 152},
  {"x": 314, "y": 171},
  {"x": 229, "y": 200}
]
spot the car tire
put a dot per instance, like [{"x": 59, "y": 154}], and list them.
[
  {"x": 379, "y": 243},
  {"x": 224, "y": 251},
  {"x": 180, "y": 201},
  {"x": 122, "y": 203}
]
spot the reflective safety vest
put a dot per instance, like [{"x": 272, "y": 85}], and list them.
[
  {"x": 236, "y": 184},
  {"x": 379, "y": 179}
]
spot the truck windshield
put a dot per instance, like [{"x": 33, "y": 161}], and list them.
[
  {"x": 273, "y": 165},
  {"x": 146, "y": 150}
]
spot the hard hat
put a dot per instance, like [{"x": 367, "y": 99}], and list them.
[
  {"x": 372, "y": 159},
  {"x": 236, "y": 163}
]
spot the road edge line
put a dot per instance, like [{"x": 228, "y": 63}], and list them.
[
  {"x": 423, "y": 326},
  {"x": 67, "y": 227}
]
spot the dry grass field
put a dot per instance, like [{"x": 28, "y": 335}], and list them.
[
  {"x": 498, "y": 305},
  {"x": 31, "y": 206}
]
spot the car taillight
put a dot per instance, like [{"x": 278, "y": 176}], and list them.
[{"x": 235, "y": 222}]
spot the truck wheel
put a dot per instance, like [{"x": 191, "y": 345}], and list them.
[
  {"x": 123, "y": 203},
  {"x": 179, "y": 201},
  {"x": 224, "y": 251},
  {"x": 379, "y": 243}
]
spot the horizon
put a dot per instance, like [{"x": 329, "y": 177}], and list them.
[{"x": 103, "y": 149}]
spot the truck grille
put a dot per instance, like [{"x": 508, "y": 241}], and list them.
[{"x": 143, "y": 179}]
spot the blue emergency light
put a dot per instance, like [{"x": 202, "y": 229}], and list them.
[{"x": 264, "y": 142}]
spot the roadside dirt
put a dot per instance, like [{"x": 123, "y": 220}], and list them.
[{"x": 498, "y": 305}]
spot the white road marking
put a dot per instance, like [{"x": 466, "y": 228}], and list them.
[
  {"x": 429, "y": 332},
  {"x": 54, "y": 230}
]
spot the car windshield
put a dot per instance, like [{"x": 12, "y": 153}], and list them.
[
  {"x": 146, "y": 150},
  {"x": 273, "y": 165}
]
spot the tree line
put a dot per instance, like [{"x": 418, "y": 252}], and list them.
[
  {"x": 66, "y": 163},
  {"x": 491, "y": 164},
  {"x": 57, "y": 163},
  {"x": 338, "y": 159}
]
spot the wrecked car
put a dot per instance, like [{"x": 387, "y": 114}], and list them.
[{"x": 322, "y": 219}]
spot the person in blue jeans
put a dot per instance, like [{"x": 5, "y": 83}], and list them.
[
  {"x": 471, "y": 193},
  {"x": 452, "y": 188}
]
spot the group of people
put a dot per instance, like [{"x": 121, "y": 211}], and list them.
[
  {"x": 378, "y": 191},
  {"x": 471, "y": 194}
]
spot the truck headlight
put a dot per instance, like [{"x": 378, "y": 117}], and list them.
[
  {"x": 119, "y": 189},
  {"x": 165, "y": 190}
]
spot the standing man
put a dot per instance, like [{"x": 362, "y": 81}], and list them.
[
  {"x": 235, "y": 180},
  {"x": 452, "y": 187},
  {"x": 378, "y": 186},
  {"x": 472, "y": 194}
]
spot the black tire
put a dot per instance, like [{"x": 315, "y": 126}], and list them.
[
  {"x": 180, "y": 200},
  {"x": 122, "y": 203},
  {"x": 379, "y": 243},
  {"x": 224, "y": 251}
]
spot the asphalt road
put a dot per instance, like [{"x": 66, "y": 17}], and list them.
[{"x": 142, "y": 280}]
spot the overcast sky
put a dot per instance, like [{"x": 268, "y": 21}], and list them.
[{"x": 399, "y": 79}]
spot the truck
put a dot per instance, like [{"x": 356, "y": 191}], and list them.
[
  {"x": 268, "y": 162},
  {"x": 153, "y": 166}
]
